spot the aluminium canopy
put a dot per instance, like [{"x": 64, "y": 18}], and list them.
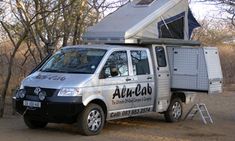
[{"x": 145, "y": 19}]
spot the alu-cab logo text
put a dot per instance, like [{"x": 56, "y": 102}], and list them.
[{"x": 127, "y": 92}]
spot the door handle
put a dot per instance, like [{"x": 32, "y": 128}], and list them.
[
  {"x": 128, "y": 79},
  {"x": 149, "y": 78}
]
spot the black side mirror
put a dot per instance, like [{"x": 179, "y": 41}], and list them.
[
  {"x": 114, "y": 71},
  {"x": 102, "y": 74}
]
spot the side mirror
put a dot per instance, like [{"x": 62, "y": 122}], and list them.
[
  {"x": 114, "y": 71},
  {"x": 102, "y": 74}
]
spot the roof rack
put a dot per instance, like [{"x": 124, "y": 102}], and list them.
[
  {"x": 161, "y": 41},
  {"x": 167, "y": 41}
]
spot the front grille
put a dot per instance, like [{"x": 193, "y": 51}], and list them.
[{"x": 49, "y": 92}]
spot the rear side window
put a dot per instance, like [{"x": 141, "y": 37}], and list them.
[
  {"x": 140, "y": 62},
  {"x": 161, "y": 58}
]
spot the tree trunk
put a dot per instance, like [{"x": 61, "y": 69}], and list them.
[
  {"x": 2, "y": 104},
  {"x": 6, "y": 84},
  {"x": 9, "y": 68}
]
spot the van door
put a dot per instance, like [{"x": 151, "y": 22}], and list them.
[
  {"x": 162, "y": 78},
  {"x": 143, "y": 76},
  {"x": 116, "y": 85}
]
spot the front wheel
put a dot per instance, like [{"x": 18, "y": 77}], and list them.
[
  {"x": 91, "y": 120},
  {"x": 34, "y": 124},
  {"x": 174, "y": 111}
]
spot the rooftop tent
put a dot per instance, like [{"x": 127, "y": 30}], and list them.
[{"x": 145, "y": 19}]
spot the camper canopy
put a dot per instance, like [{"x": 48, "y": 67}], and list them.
[{"x": 145, "y": 19}]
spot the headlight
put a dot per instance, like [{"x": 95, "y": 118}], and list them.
[
  {"x": 69, "y": 92},
  {"x": 21, "y": 93}
]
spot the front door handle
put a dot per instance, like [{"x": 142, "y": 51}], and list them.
[{"x": 128, "y": 79}]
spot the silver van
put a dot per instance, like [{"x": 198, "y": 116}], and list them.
[{"x": 89, "y": 84}]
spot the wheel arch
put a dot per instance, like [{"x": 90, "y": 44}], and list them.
[
  {"x": 180, "y": 95},
  {"x": 99, "y": 100},
  {"x": 101, "y": 104}
]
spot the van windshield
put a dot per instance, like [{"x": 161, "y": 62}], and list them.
[{"x": 74, "y": 60}]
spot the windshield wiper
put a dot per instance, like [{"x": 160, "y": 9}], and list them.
[
  {"x": 63, "y": 71},
  {"x": 82, "y": 72},
  {"x": 53, "y": 70}
]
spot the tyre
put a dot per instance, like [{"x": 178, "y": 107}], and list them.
[
  {"x": 91, "y": 120},
  {"x": 174, "y": 111},
  {"x": 34, "y": 124}
]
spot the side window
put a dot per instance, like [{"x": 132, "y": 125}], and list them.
[
  {"x": 116, "y": 65},
  {"x": 161, "y": 58},
  {"x": 140, "y": 62}
]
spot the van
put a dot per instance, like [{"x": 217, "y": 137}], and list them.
[{"x": 90, "y": 84}]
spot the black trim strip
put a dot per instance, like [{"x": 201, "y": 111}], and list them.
[{"x": 190, "y": 90}]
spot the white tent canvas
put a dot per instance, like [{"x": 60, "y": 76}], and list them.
[{"x": 145, "y": 19}]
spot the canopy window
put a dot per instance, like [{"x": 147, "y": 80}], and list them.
[{"x": 172, "y": 27}]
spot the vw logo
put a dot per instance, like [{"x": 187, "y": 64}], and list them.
[{"x": 37, "y": 91}]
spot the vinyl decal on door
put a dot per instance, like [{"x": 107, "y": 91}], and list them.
[{"x": 127, "y": 95}]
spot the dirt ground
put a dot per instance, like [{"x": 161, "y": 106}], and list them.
[{"x": 151, "y": 127}]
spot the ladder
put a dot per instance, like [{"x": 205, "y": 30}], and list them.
[{"x": 201, "y": 108}]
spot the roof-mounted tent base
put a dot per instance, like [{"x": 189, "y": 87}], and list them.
[
  {"x": 143, "y": 42},
  {"x": 167, "y": 41}
]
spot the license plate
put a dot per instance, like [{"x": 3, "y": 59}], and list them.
[{"x": 32, "y": 104}]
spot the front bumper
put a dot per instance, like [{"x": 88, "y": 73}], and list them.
[{"x": 54, "y": 109}]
